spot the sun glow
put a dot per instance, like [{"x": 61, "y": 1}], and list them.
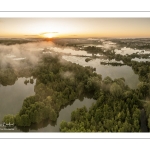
[
  {"x": 49, "y": 35},
  {"x": 74, "y": 27}
]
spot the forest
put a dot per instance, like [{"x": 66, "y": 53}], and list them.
[{"x": 58, "y": 83}]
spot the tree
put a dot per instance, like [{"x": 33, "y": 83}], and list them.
[
  {"x": 144, "y": 88},
  {"x": 52, "y": 115},
  {"x": 149, "y": 122},
  {"x": 93, "y": 84},
  {"x": 9, "y": 119},
  {"x": 18, "y": 120},
  {"x": 116, "y": 90},
  {"x": 25, "y": 120},
  {"x": 107, "y": 80},
  {"x": 31, "y": 81}
]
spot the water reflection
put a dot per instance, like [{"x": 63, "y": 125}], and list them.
[
  {"x": 12, "y": 97},
  {"x": 11, "y": 103},
  {"x": 125, "y": 71},
  {"x": 129, "y": 51},
  {"x": 64, "y": 114},
  {"x": 70, "y": 51}
]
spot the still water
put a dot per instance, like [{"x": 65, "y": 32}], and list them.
[
  {"x": 11, "y": 100},
  {"x": 125, "y": 71},
  {"x": 129, "y": 51},
  {"x": 65, "y": 114},
  {"x": 12, "y": 96}
]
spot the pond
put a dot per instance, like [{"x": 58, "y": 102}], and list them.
[
  {"x": 70, "y": 50},
  {"x": 64, "y": 114},
  {"x": 12, "y": 96},
  {"x": 125, "y": 71},
  {"x": 129, "y": 51}
]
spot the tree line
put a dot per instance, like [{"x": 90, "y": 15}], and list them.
[{"x": 59, "y": 82}]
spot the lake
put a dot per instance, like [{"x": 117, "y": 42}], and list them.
[
  {"x": 131, "y": 79},
  {"x": 65, "y": 114},
  {"x": 129, "y": 51},
  {"x": 12, "y": 96}
]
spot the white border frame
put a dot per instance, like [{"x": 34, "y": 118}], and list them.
[{"x": 53, "y": 135}]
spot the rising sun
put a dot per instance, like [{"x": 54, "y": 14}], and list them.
[{"x": 49, "y": 35}]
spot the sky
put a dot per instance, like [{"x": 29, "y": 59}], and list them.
[{"x": 74, "y": 27}]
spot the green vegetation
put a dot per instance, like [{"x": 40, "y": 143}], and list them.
[
  {"x": 87, "y": 120},
  {"x": 139, "y": 43},
  {"x": 93, "y": 49},
  {"x": 15, "y": 41},
  {"x": 34, "y": 111},
  {"x": 147, "y": 109},
  {"x": 112, "y": 63},
  {"x": 9, "y": 119},
  {"x": 117, "y": 109},
  {"x": 59, "y": 83},
  {"x": 11, "y": 71},
  {"x": 88, "y": 59},
  {"x": 7, "y": 76},
  {"x": 140, "y": 68}
]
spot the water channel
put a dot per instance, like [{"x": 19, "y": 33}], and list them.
[{"x": 12, "y": 96}]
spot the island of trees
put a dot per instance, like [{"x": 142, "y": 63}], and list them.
[{"x": 58, "y": 83}]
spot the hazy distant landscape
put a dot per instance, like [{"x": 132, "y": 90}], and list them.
[{"x": 58, "y": 81}]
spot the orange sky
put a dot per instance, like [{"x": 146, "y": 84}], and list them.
[{"x": 74, "y": 27}]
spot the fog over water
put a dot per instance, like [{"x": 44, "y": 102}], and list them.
[
  {"x": 131, "y": 78},
  {"x": 129, "y": 51},
  {"x": 11, "y": 97},
  {"x": 21, "y": 52}
]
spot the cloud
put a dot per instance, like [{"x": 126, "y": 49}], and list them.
[
  {"x": 32, "y": 35},
  {"x": 41, "y": 34},
  {"x": 71, "y": 35},
  {"x": 47, "y": 33}
]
